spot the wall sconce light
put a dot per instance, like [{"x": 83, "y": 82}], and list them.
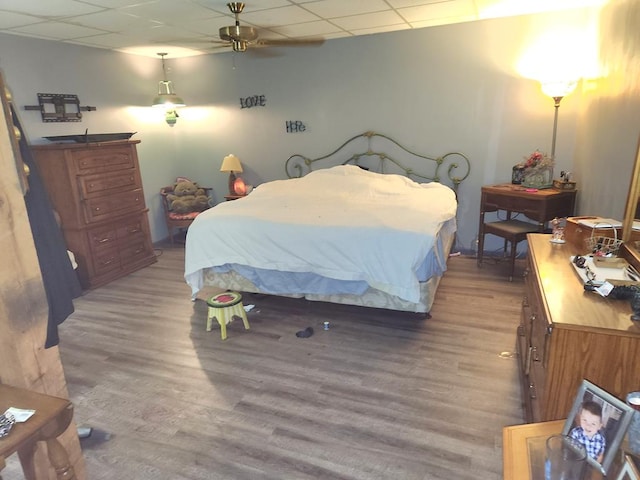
[
  {"x": 557, "y": 90},
  {"x": 232, "y": 165},
  {"x": 167, "y": 97}
]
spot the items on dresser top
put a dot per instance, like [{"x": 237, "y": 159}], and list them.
[
  {"x": 580, "y": 231},
  {"x": 96, "y": 189}
]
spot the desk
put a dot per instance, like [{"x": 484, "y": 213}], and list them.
[
  {"x": 540, "y": 206},
  {"x": 523, "y": 451},
  {"x": 53, "y": 416}
]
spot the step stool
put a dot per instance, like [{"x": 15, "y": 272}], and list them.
[{"x": 223, "y": 307}]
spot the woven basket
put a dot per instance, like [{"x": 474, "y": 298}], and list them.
[{"x": 603, "y": 246}]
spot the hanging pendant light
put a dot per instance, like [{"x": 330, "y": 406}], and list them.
[{"x": 167, "y": 97}]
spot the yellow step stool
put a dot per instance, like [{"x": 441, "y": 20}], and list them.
[{"x": 223, "y": 307}]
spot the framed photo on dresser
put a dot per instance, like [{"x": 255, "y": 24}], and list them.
[{"x": 599, "y": 421}]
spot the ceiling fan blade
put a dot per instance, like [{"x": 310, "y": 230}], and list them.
[{"x": 288, "y": 42}]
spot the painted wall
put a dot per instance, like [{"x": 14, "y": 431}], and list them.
[{"x": 435, "y": 90}]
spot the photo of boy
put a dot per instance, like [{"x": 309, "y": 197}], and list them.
[{"x": 588, "y": 430}]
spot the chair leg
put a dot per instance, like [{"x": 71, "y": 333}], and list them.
[
  {"x": 480, "y": 248},
  {"x": 514, "y": 251}
]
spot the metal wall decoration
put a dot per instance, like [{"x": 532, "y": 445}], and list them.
[
  {"x": 295, "y": 126},
  {"x": 59, "y": 107},
  {"x": 253, "y": 101}
]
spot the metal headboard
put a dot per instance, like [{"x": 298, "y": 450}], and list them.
[{"x": 454, "y": 165}]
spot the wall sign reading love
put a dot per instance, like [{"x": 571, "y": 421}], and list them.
[{"x": 253, "y": 101}]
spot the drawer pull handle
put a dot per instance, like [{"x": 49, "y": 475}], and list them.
[
  {"x": 107, "y": 262},
  {"x": 97, "y": 209},
  {"x": 103, "y": 240},
  {"x": 134, "y": 230},
  {"x": 140, "y": 250},
  {"x": 534, "y": 354},
  {"x": 532, "y": 391}
]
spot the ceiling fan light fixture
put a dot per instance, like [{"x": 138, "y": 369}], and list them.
[
  {"x": 237, "y": 33},
  {"x": 242, "y": 37}
]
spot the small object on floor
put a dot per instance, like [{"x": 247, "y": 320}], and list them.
[
  {"x": 224, "y": 307},
  {"x": 325, "y": 325},
  {"x": 84, "y": 432},
  {"x": 95, "y": 440},
  {"x": 306, "y": 333}
]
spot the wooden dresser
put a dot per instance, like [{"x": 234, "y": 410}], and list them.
[
  {"x": 567, "y": 334},
  {"x": 97, "y": 191}
]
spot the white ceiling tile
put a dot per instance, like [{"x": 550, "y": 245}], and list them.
[
  {"x": 110, "y": 20},
  {"x": 276, "y": 17},
  {"x": 57, "y": 30},
  {"x": 117, "y": 3},
  {"x": 319, "y": 28},
  {"x": 438, "y": 10},
  {"x": 343, "y": 8},
  {"x": 49, "y": 8},
  {"x": 414, "y": 3},
  {"x": 170, "y": 11},
  {"x": 369, "y": 20},
  {"x": 10, "y": 20}
]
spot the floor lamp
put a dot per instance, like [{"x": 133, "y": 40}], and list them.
[{"x": 557, "y": 91}]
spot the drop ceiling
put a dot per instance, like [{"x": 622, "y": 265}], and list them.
[{"x": 186, "y": 27}]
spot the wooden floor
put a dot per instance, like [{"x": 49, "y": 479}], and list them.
[{"x": 380, "y": 395}]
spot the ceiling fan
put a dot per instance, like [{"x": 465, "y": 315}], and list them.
[{"x": 241, "y": 37}]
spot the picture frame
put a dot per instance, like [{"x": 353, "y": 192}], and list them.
[{"x": 593, "y": 403}]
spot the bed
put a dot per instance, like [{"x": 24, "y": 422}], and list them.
[{"x": 358, "y": 226}]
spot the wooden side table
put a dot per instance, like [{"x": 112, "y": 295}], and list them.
[
  {"x": 52, "y": 417},
  {"x": 520, "y": 443},
  {"x": 540, "y": 206},
  {"x": 524, "y": 451}
]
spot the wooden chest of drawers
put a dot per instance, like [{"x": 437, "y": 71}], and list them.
[
  {"x": 566, "y": 335},
  {"x": 97, "y": 191}
]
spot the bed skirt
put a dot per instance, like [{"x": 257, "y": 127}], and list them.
[{"x": 370, "y": 298}]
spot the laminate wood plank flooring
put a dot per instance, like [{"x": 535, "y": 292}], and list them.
[{"x": 380, "y": 395}]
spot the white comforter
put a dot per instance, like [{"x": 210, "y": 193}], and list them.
[{"x": 343, "y": 223}]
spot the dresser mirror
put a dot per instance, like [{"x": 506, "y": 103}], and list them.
[{"x": 629, "y": 249}]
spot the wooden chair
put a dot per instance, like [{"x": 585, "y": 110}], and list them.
[
  {"x": 177, "y": 220},
  {"x": 513, "y": 232}
]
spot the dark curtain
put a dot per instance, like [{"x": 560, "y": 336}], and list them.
[{"x": 60, "y": 280}]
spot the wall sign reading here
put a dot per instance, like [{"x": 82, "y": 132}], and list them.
[
  {"x": 253, "y": 101},
  {"x": 295, "y": 126}
]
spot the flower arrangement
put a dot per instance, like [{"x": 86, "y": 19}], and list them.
[{"x": 537, "y": 161}]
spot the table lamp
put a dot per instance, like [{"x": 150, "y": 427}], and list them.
[{"x": 232, "y": 165}]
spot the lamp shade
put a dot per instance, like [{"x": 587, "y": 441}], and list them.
[
  {"x": 166, "y": 96},
  {"x": 558, "y": 88},
  {"x": 231, "y": 163}
]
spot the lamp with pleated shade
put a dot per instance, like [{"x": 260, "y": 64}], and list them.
[{"x": 231, "y": 164}]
